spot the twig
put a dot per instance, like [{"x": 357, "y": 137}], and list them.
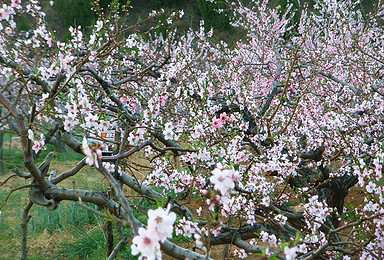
[
  {"x": 101, "y": 214},
  {"x": 134, "y": 223},
  {"x": 22, "y": 174},
  {"x": 7, "y": 179},
  {"x": 126, "y": 154},
  {"x": 13, "y": 190},
  {"x": 355, "y": 223}
]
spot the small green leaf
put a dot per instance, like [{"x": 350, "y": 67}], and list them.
[{"x": 298, "y": 237}]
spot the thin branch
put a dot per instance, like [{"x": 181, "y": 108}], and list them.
[
  {"x": 107, "y": 88},
  {"x": 28, "y": 157},
  {"x": 25, "y": 72},
  {"x": 180, "y": 253},
  {"x": 126, "y": 154},
  {"x": 69, "y": 173},
  {"x": 22, "y": 174},
  {"x": 332, "y": 231},
  {"x": 101, "y": 214},
  {"x": 148, "y": 192},
  {"x": 275, "y": 91},
  {"x": 7, "y": 179},
  {"x": 318, "y": 252},
  {"x": 13, "y": 190},
  {"x": 356, "y": 91},
  {"x": 134, "y": 223}
]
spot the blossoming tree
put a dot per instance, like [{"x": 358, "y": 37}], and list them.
[{"x": 248, "y": 131}]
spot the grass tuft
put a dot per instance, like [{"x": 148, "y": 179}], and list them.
[{"x": 88, "y": 246}]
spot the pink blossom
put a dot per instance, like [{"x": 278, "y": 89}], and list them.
[
  {"x": 224, "y": 180},
  {"x": 93, "y": 154},
  {"x": 168, "y": 131},
  {"x": 16, "y": 3},
  {"x": 42, "y": 139},
  {"x": 217, "y": 123},
  {"x": 99, "y": 25},
  {"x": 36, "y": 146},
  {"x": 162, "y": 99},
  {"x": 123, "y": 100},
  {"x": 198, "y": 131},
  {"x": 146, "y": 244},
  {"x": 371, "y": 187},
  {"x": 241, "y": 253},
  {"x": 91, "y": 121},
  {"x": 4, "y": 13},
  {"x": 241, "y": 157},
  {"x": 266, "y": 201},
  {"x": 162, "y": 221},
  {"x": 290, "y": 253},
  {"x": 199, "y": 210},
  {"x": 224, "y": 117},
  {"x": 31, "y": 135},
  {"x": 216, "y": 231}
]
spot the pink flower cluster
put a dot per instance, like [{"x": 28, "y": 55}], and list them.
[
  {"x": 93, "y": 152},
  {"x": 224, "y": 179},
  {"x": 160, "y": 227},
  {"x": 7, "y": 11},
  {"x": 219, "y": 122},
  {"x": 315, "y": 212},
  {"x": 37, "y": 143}
]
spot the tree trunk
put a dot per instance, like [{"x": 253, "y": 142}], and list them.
[
  {"x": 24, "y": 230},
  {"x": 2, "y": 169}
]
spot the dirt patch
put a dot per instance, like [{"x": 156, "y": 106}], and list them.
[{"x": 48, "y": 244}]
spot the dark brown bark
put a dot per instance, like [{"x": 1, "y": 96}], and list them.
[
  {"x": 24, "y": 230},
  {"x": 2, "y": 169},
  {"x": 109, "y": 231}
]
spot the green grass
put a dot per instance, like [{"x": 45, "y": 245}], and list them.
[
  {"x": 90, "y": 245},
  {"x": 14, "y": 158},
  {"x": 68, "y": 217},
  {"x": 70, "y": 232}
]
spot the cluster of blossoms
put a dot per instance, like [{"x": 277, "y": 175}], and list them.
[
  {"x": 7, "y": 11},
  {"x": 37, "y": 143},
  {"x": 160, "y": 227},
  {"x": 240, "y": 253},
  {"x": 219, "y": 122},
  {"x": 93, "y": 152},
  {"x": 315, "y": 213},
  {"x": 187, "y": 228},
  {"x": 224, "y": 179}
]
